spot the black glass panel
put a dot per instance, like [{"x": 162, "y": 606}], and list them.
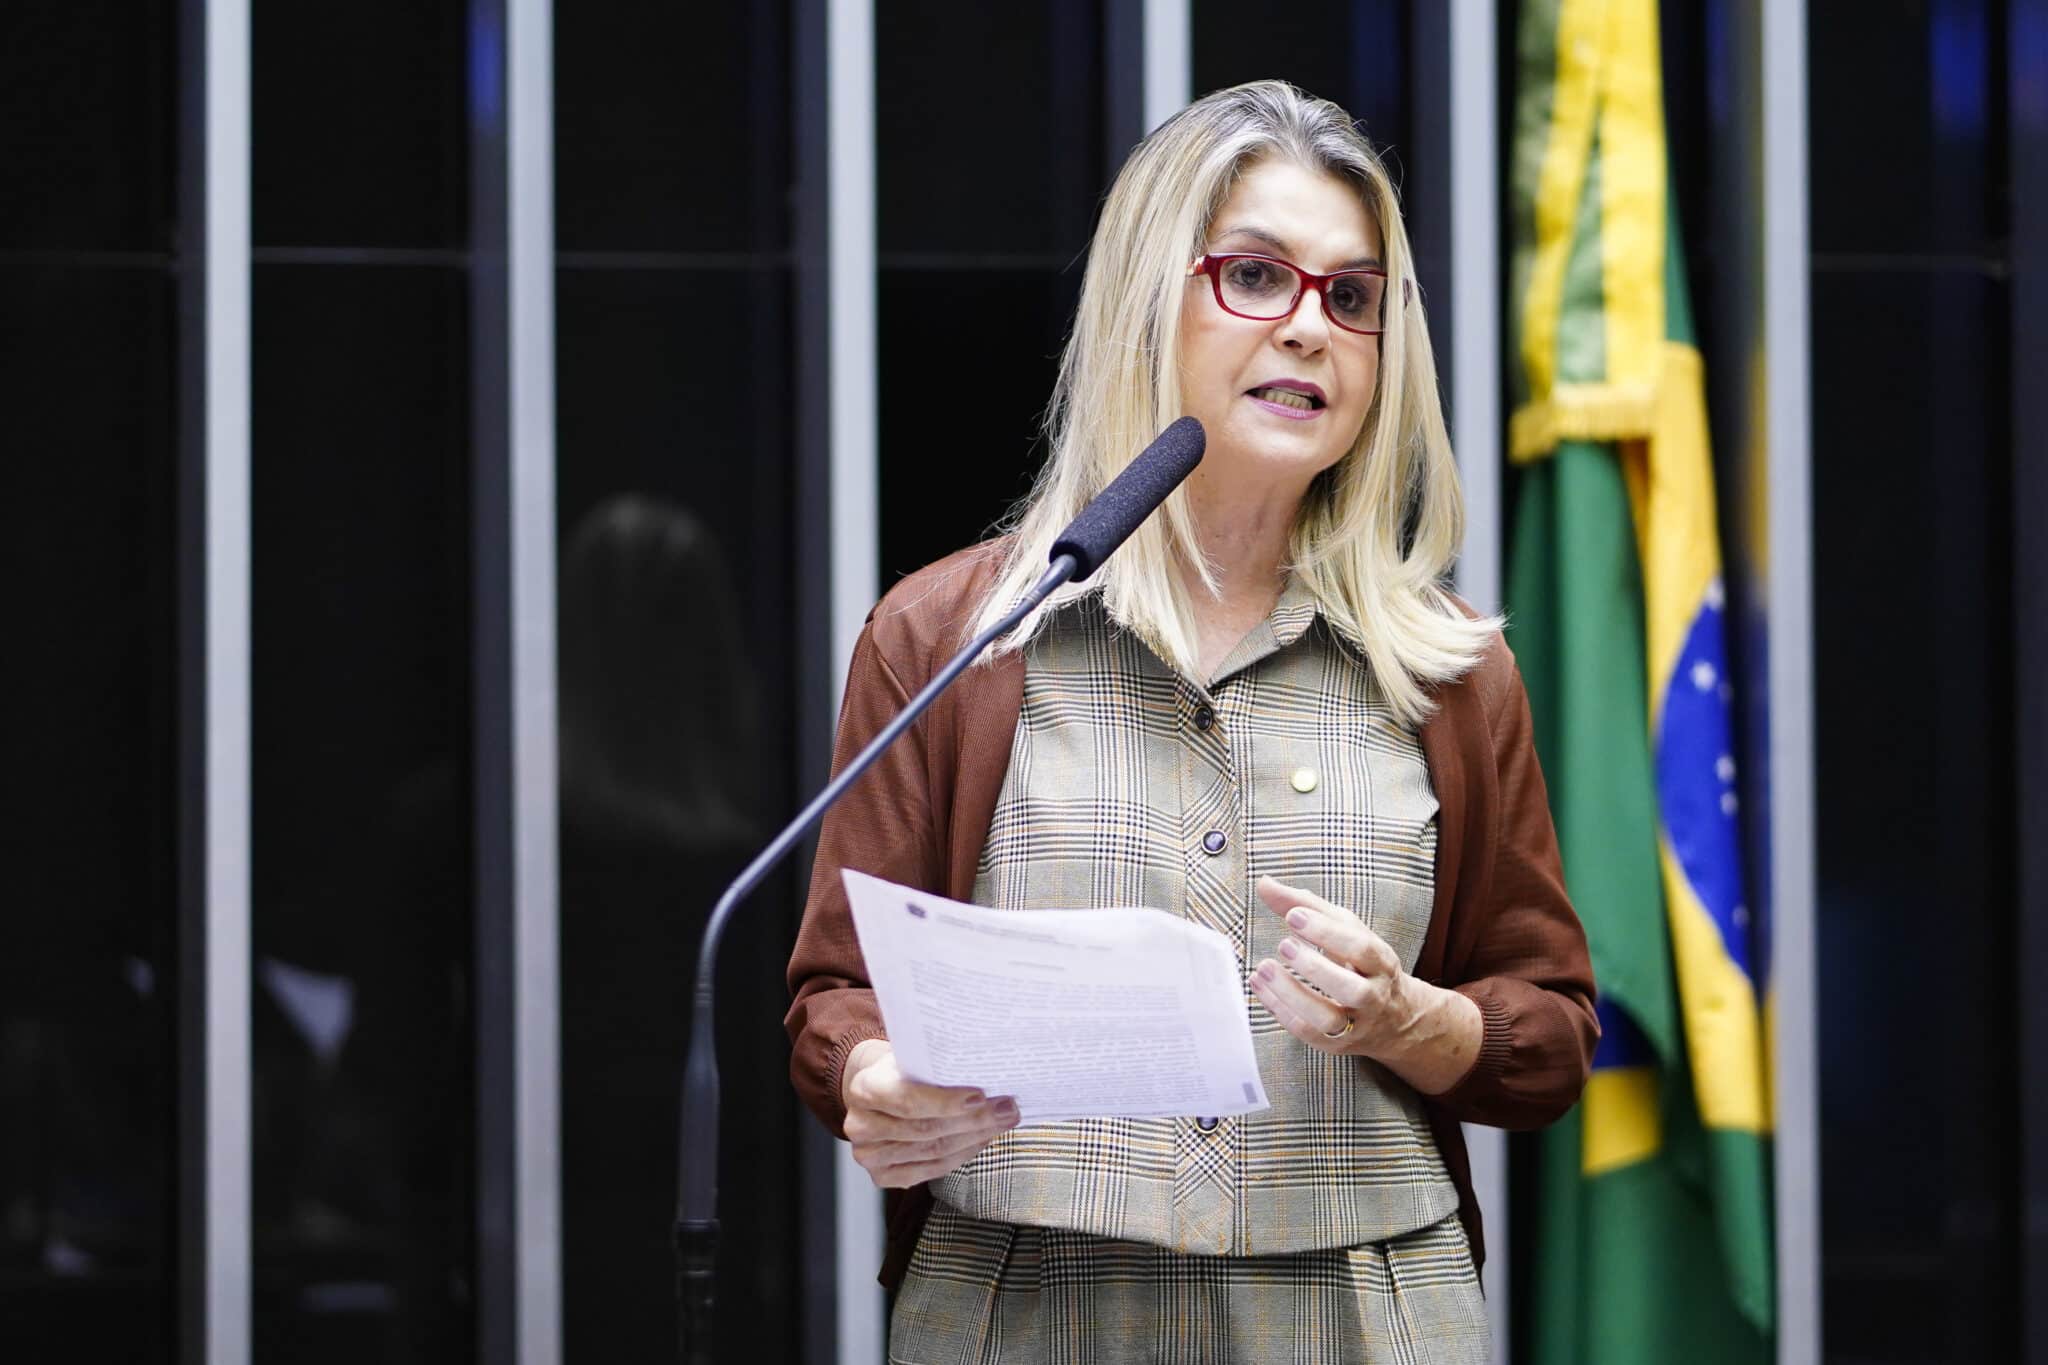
[
  {"x": 88, "y": 976},
  {"x": 362, "y": 815},
  {"x": 1913, "y": 660},
  {"x": 671, "y": 127},
  {"x": 983, "y": 225},
  {"x": 1897, "y": 94},
  {"x": 677, "y": 704},
  {"x": 960, "y": 416},
  {"x": 1913, "y": 742},
  {"x": 953, "y": 177},
  {"x": 1352, "y": 51},
  {"x": 359, "y": 128},
  {"x": 677, "y": 652},
  {"x": 87, "y": 125}
]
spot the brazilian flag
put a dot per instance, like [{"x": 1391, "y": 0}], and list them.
[{"x": 1652, "y": 1221}]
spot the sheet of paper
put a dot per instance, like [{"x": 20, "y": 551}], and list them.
[{"x": 1076, "y": 1013}]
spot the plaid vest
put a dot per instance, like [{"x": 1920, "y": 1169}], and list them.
[{"x": 1130, "y": 785}]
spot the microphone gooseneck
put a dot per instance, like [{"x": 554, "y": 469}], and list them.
[
  {"x": 1092, "y": 537},
  {"x": 1132, "y": 496}
]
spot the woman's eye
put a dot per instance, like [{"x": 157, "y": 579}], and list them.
[
  {"x": 1252, "y": 275},
  {"x": 1348, "y": 297}
]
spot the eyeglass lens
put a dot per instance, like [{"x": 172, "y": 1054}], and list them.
[{"x": 1267, "y": 289}]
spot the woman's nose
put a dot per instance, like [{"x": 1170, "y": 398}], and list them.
[{"x": 1306, "y": 326}]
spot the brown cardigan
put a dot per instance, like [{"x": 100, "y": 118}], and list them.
[{"x": 1501, "y": 932}]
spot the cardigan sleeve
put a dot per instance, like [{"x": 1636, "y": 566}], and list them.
[
  {"x": 1524, "y": 961},
  {"x": 884, "y": 826}
]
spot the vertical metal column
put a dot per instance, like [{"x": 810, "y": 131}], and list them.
[
  {"x": 213, "y": 668},
  {"x": 1476, "y": 419},
  {"x": 1168, "y": 60},
  {"x": 530, "y": 122},
  {"x": 1787, "y": 279},
  {"x": 512, "y": 422},
  {"x": 854, "y": 527}
]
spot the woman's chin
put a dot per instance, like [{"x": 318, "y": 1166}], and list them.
[{"x": 1280, "y": 455}]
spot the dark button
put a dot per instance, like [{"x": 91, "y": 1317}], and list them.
[
  {"x": 1207, "y": 1125},
  {"x": 1213, "y": 841},
  {"x": 1204, "y": 717}
]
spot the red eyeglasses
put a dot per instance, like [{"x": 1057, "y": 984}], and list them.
[{"x": 1266, "y": 288}]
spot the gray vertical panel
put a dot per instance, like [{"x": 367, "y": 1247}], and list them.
[
  {"x": 1475, "y": 250},
  {"x": 530, "y": 123},
  {"x": 513, "y": 531},
  {"x": 1787, "y": 435},
  {"x": 2027, "y": 87},
  {"x": 854, "y": 522},
  {"x": 1474, "y": 366},
  {"x": 213, "y": 630},
  {"x": 1168, "y": 60}
]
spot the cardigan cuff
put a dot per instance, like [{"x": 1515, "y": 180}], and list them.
[
  {"x": 835, "y": 1063},
  {"x": 1496, "y": 1045}
]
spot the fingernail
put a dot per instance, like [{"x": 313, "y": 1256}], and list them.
[
  {"x": 975, "y": 1100},
  {"x": 1287, "y": 948},
  {"x": 1298, "y": 917},
  {"x": 1266, "y": 971}
]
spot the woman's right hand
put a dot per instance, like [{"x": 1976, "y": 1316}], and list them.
[{"x": 905, "y": 1132}]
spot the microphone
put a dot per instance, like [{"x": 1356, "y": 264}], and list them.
[
  {"x": 1132, "y": 496},
  {"x": 1104, "y": 524}
]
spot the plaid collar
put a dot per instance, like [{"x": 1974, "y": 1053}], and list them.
[{"x": 1289, "y": 620}]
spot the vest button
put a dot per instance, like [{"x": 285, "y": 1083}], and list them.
[
  {"x": 1213, "y": 842},
  {"x": 1204, "y": 717},
  {"x": 1207, "y": 1123}
]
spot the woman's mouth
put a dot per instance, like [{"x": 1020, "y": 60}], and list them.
[{"x": 1290, "y": 403}]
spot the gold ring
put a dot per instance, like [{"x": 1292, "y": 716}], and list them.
[{"x": 1348, "y": 1022}]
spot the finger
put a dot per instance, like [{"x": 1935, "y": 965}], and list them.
[
  {"x": 1347, "y": 988},
  {"x": 876, "y": 1125},
  {"x": 883, "y": 1086},
  {"x": 1281, "y": 897},
  {"x": 901, "y": 1174},
  {"x": 887, "y": 1154},
  {"x": 1336, "y": 931},
  {"x": 1307, "y": 1016}
]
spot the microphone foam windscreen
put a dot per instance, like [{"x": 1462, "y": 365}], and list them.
[{"x": 1131, "y": 497}]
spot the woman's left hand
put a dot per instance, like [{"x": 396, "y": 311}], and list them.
[{"x": 1362, "y": 1003}]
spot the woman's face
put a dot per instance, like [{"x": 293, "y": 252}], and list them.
[{"x": 1229, "y": 366}]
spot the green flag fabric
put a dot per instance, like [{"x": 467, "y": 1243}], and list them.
[{"x": 1652, "y": 1216}]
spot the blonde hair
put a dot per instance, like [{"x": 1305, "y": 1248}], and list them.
[{"x": 1376, "y": 533}]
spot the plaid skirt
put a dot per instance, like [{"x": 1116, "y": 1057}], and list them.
[{"x": 979, "y": 1292}]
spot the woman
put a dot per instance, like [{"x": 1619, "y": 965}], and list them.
[{"x": 1265, "y": 713}]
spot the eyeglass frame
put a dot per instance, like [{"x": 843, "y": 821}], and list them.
[{"x": 1209, "y": 263}]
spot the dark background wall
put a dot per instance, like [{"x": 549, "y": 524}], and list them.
[
  {"x": 676, "y": 201},
  {"x": 982, "y": 222},
  {"x": 89, "y": 259},
  {"x": 1913, "y": 469},
  {"x": 362, "y": 892}
]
